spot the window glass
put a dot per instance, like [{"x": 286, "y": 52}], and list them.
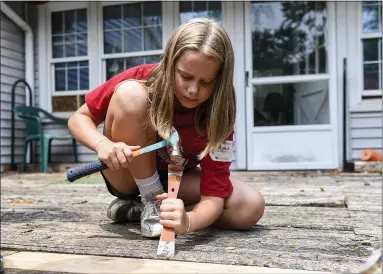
[
  {"x": 132, "y": 27},
  {"x": 372, "y": 16},
  {"x": 289, "y": 38},
  {"x": 291, "y": 104},
  {"x": 194, "y": 9},
  {"x": 372, "y": 45},
  {"x": 71, "y": 76},
  {"x": 69, "y": 33},
  {"x": 70, "y": 40},
  {"x": 67, "y": 103},
  {"x": 116, "y": 65}
]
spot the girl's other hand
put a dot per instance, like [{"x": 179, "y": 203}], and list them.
[
  {"x": 173, "y": 214},
  {"x": 115, "y": 155}
]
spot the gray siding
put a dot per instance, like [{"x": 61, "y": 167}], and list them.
[
  {"x": 366, "y": 132},
  {"x": 61, "y": 151},
  {"x": 12, "y": 68}
]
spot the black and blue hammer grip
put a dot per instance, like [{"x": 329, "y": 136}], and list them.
[{"x": 78, "y": 172}]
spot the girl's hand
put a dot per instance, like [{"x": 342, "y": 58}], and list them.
[
  {"x": 173, "y": 214},
  {"x": 115, "y": 155}
]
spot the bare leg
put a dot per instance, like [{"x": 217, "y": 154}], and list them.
[
  {"x": 242, "y": 209},
  {"x": 126, "y": 122}
]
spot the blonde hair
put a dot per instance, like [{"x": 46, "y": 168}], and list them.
[{"x": 215, "y": 117}]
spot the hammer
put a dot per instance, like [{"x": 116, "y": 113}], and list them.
[
  {"x": 78, "y": 172},
  {"x": 166, "y": 245}
]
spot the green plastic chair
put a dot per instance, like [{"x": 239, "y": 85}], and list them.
[{"x": 32, "y": 117}]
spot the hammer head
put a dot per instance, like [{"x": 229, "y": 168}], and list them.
[{"x": 174, "y": 141}]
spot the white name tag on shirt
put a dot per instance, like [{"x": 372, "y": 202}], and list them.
[{"x": 224, "y": 153}]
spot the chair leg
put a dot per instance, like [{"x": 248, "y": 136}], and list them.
[
  {"x": 49, "y": 151},
  {"x": 74, "y": 145},
  {"x": 24, "y": 162},
  {"x": 44, "y": 154}
]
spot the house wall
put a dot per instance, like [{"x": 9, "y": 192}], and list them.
[
  {"x": 61, "y": 151},
  {"x": 366, "y": 132},
  {"x": 363, "y": 115},
  {"x": 364, "y": 123},
  {"x": 12, "y": 55},
  {"x": 364, "y": 112}
]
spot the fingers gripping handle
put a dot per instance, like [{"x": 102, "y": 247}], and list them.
[
  {"x": 75, "y": 173},
  {"x": 78, "y": 172}
]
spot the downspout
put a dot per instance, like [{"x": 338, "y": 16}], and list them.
[
  {"x": 348, "y": 166},
  {"x": 29, "y": 69},
  {"x": 29, "y": 55}
]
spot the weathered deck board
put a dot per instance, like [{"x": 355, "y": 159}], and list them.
[
  {"x": 275, "y": 216},
  {"x": 364, "y": 202},
  {"x": 324, "y": 219},
  {"x": 308, "y": 249},
  {"x": 311, "y": 221},
  {"x": 292, "y": 193},
  {"x": 367, "y": 223}
]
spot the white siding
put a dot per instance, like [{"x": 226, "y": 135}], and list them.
[
  {"x": 366, "y": 132},
  {"x": 32, "y": 21},
  {"x": 12, "y": 68}
]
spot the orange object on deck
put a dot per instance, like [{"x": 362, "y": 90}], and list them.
[{"x": 371, "y": 155}]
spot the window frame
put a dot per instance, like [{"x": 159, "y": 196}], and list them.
[
  {"x": 329, "y": 76},
  {"x": 95, "y": 55},
  {"x": 46, "y": 62},
  {"x": 365, "y": 94},
  {"x": 167, "y": 26},
  {"x": 295, "y": 78},
  {"x": 350, "y": 47},
  {"x": 177, "y": 13},
  {"x": 59, "y": 7}
]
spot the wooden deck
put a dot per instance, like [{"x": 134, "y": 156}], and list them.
[{"x": 312, "y": 221}]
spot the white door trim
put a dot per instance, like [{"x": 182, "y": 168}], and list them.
[
  {"x": 248, "y": 84},
  {"x": 237, "y": 36},
  {"x": 332, "y": 84},
  {"x": 332, "y": 70}
]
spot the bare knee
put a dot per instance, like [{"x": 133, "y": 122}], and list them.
[
  {"x": 257, "y": 206},
  {"x": 126, "y": 119},
  {"x": 250, "y": 209},
  {"x": 130, "y": 100}
]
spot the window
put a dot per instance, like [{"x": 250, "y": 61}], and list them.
[
  {"x": 69, "y": 58},
  {"x": 289, "y": 38},
  {"x": 132, "y": 35},
  {"x": 289, "y": 46},
  {"x": 371, "y": 41},
  {"x": 193, "y": 9}
]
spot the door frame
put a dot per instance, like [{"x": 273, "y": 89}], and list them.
[
  {"x": 333, "y": 98},
  {"x": 233, "y": 22}
]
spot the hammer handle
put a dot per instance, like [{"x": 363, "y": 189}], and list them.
[{"x": 78, "y": 172}]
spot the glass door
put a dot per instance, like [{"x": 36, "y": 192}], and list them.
[{"x": 291, "y": 94}]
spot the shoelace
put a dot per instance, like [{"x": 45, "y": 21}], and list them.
[{"x": 154, "y": 207}]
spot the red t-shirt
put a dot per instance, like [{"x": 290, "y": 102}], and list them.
[{"x": 215, "y": 179}]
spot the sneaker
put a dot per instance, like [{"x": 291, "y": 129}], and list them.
[
  {"x": 124, "y": 210},
  {"x": 150, "y": 218}
]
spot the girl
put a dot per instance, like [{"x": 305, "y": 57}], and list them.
[{"x": 190, "y": 89}]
